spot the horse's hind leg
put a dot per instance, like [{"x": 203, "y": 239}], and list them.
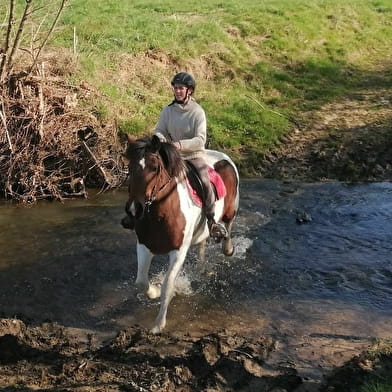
[
  {"x": 227, "y": 243},
  {"x": 230, "y": 178},
  {"x": 201, "y": 252},
  {"x": 144, "y": 257}
]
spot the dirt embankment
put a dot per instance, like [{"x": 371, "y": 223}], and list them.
[
  {"x": 57, "y": 142},
  {"x": 53, "y": 358},
  {"x": 349, "y": 140}
]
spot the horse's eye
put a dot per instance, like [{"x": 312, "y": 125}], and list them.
[{"x": 152, "y": 167}]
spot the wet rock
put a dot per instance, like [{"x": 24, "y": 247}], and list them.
[{"x": 303, "y": 217}]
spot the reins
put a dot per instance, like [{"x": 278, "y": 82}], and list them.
[{"x": 153, "y": 195}]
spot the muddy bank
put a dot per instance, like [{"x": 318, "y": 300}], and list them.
[
  {"x": 51, "y": 357},
  {"x": 345, "y": 140},
  {"x": 373, "y": 365}
]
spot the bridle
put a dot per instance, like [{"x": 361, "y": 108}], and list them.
[
  {"x": 155, "y": 192},
  {"x": 153, "y": 196}
]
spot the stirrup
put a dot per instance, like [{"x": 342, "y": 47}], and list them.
[{"x": 217, "y": 231}]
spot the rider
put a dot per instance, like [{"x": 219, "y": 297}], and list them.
[{"x": 183, "y": 123}]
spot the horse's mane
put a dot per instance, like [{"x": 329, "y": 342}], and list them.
[{"x": 171, "y": 158}]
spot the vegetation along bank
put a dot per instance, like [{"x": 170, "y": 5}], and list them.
[{"x": 292, "y": 89}]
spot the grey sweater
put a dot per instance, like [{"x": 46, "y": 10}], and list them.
[{"x": 186, "y": 125}]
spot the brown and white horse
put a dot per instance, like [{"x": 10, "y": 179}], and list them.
[{"x": 164, "y": 215}]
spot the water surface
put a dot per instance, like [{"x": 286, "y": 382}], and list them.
[{"x": 312, "y": 267}]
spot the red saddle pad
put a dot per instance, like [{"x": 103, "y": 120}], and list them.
[{"x": 216, "y": 181}]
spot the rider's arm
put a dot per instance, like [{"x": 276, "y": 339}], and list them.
[{"x": 198, "y": 141}]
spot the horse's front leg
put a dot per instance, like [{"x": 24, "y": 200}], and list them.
[
  {"x": 176, "y": 260},
  {"x": 144, "y": 257}
]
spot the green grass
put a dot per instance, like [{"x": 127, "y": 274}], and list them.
[
  {"x": 377, "y": 386},
  {"x": 252, "y": 59},
  {"x": 380, "y": 379}
]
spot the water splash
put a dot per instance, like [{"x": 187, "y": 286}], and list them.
[
  {"x": 241, "y": 244},
  {"x": 183, "y": 283}
]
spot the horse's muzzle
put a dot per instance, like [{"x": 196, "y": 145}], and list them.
[
  {"x": 128, "y": 222},
  {"x": 133, "y": 212},
  {"x": 138, "y": 210}
]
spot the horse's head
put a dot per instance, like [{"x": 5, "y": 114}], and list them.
[{"x": 152, "y": 166}]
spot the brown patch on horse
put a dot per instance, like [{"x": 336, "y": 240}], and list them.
[
  {"x": 228, "y": 174},
  {"x": 153, "y": 188},
  {"x": 162, "y": 228}
]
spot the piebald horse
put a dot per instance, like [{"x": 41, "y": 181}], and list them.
[{"x": 165, "y": 217}]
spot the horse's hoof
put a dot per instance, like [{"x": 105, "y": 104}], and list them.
[
  {"x": 156, "y": 330},
  {"x": 229, "y": 252},
  {"x": 153, "y": 291}
]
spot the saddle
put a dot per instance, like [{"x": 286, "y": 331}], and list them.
[{"x": 195, "y": 185}]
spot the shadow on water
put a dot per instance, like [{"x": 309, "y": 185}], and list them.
[
  {"x": 58, "y": 260},
  {"x": 312, "y": 260}
]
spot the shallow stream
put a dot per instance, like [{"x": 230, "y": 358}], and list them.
[{"x": 312, "y": 267}]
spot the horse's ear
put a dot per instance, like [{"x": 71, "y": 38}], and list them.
[
  {"x": 125, "y": 159},
  {"x": 131, "y": 138},
  {"x": 155, "y": 143}
]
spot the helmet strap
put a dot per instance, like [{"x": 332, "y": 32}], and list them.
[{"x": 185, "y": 101}]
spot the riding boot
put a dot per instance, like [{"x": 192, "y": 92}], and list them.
[{"x": 217, "y": 230}]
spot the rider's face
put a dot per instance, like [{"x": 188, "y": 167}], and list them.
[{"x": 181, "y": 92}]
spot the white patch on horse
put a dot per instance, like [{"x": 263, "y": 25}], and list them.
[
  {"x": 144, "y": 257},
  {"x": 142, "y": 163},
  {"x": 193, "y": 218}
]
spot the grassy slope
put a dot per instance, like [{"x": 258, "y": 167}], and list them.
[{"x": 258, "y": 64}]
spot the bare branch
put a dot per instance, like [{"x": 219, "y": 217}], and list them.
[
  {"x": 273, "y": 111},
  {"x": 4, "y": 121},
  {"x": 56, "y": 19},
  {"x": 96, "y": 162},
  {"x": 19, "y": 34},
  {"x": 7, "y": 40}
]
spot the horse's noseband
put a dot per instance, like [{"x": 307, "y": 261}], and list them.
[{"x": 154, "y": 194}]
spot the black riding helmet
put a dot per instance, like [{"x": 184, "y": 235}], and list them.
[{"x": 184, "y": 78}]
